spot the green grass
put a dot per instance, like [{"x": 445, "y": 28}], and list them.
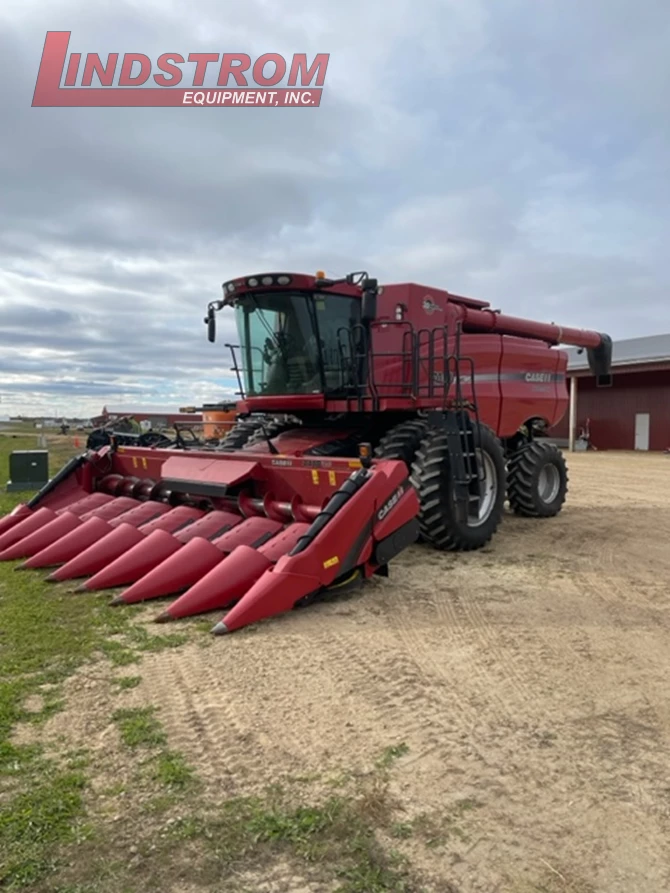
[
  {"x": 172, "y": 771},
  {"x": 391, "y": 754},
  {"x": 45, "y": 636},
  {"x": 143, "y": 640},
  {"x": 127, "y": 682},
  {"x": 35, "y": 822},
  {"x": 334, "y": 839},
  {"x": 139, "y": 727},
  {"x": 118, "y": 653}
]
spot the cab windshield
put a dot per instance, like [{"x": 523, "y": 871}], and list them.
[{"x": 296, "y": 342}]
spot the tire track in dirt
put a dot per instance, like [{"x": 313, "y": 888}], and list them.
[
  {"x": 416, "y": 638},
  {"x": 465, "y": 613},
  {"x": 319, "y": 712},
  {"x": 525, "y": 715},
  {"x": 505, "y": 679},
  {"x": 613, "y": 581},
  {"x": 547, "y": 648},
  {"x": 441, "y": 739},
  {"x": 467, "y": 623},
  {"x": 426, "y": 647},
  {"x": 417, "y": 629},
  {"x": 202, "y": 717},
  {"x": 454, "y": 757},
  {"x": 540, "y": 648}
]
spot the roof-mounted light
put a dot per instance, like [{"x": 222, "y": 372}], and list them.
[{"x": 256, "y": 281}]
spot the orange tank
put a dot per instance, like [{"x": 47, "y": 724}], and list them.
[
  {"x": 217, "y": 418},
  {"x": 217, "y": 422}
]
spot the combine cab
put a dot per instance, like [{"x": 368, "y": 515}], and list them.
[{"x": 369, "y": 418}]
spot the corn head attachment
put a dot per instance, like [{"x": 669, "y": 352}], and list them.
[{"x": 255, "y": 534}]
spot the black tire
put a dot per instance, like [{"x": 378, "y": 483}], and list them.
[
  {"x": 432, "y": 478},
  {"x": 272, "y": 428},
  {"x": 238, "y": 436},
  {"x": 402, "y": 441},
  {"x": 537, "y": 480}
]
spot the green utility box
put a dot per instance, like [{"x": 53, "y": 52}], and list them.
[{"x": 28, "y": 470}]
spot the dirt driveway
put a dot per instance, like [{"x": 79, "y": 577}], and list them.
[{"x": 529, "y": 684}]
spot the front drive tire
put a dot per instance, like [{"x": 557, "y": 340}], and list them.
[
  {"x": 239, "y": 435},
  {"x": 402, "y": 441},
  {"x": 432, "y": 479},
  {"x": 537, "y": 480}
]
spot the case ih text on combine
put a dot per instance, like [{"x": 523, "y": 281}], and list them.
[{"x": 369, "y": 417}]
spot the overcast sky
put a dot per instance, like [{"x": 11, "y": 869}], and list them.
[{"x": 514, "y": 150}]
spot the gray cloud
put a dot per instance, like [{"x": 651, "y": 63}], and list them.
[{"x": 512, "y": 150}]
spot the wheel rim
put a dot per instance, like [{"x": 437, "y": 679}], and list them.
[
  {"x": 548, "y": 483},
  {"x": 488, "y": 499}
]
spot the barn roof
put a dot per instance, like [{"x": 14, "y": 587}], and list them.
[{"x": 631, "y": 351}]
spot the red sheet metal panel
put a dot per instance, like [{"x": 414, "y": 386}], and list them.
[{"x": 198, "y": 470}]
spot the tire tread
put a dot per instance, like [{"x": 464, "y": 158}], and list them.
[{"x": 522, "y": 472}]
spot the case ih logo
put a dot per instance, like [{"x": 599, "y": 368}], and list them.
[
  {"x": 67, "y": 80},
  {"x": 392, "y": 502}
]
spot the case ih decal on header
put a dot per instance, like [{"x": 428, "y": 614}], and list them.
[{"x": 361, "y": 427}]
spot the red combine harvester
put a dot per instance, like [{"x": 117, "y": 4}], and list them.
[{"x": 369, "y": 417}]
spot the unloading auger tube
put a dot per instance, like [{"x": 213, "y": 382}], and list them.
[
  {"x": 597, "y": 344},
  {"x": 253, "y": 534}
]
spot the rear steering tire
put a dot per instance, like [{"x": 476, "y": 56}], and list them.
[
  {"x": 432, "y": 478},
  {"x": 537, "y": 480}
]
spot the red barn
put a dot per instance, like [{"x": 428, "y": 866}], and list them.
[{"x": 634, "y": 412}]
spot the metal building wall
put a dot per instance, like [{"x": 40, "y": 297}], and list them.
[{"x": 612, "y": 410}]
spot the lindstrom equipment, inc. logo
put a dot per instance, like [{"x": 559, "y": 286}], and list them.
[{"x": 67, "y": 80}]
